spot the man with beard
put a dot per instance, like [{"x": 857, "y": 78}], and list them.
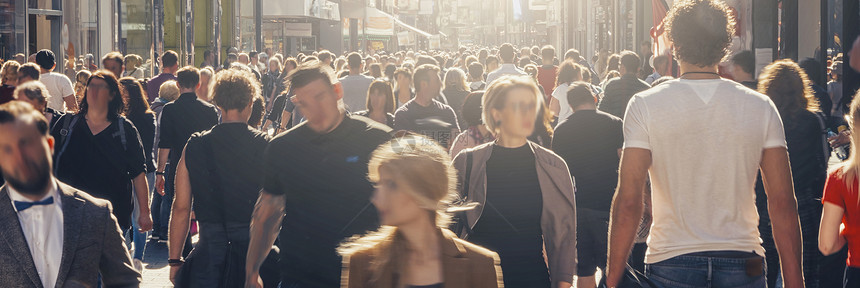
[{"x": 55, "y": 235}]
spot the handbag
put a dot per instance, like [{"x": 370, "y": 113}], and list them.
[
  {"x": 233, "y": 272},
  {"x": 632, "y": 278}
]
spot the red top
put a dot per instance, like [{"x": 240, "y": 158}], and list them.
[
  {"x": 836, "y": 192},
  {"x": 546, "y": 78}
]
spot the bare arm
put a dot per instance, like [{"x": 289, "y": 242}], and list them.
[
  {"x": 180, "y": 215},
  {"x": 554, "y": 106},
  {"x": 162, "y": 163},
  {"x": 627, "y": 207},
  {"x": 141, "y": 191},
  {"x": 782, "y": 206},
  {"x": 830, "y": 239},
  {"x": 268, "y": 214},
  {"x": 71, "y": 103}
]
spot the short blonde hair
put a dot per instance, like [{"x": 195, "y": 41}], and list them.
[
  {"x": 169, "y": 91},
  {"x": 9, "y": 71},
  {"x": 132, "y": 61},
  {"x": 497, "y": 95}
]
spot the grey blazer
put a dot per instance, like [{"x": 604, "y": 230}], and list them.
[
  {"x": 558, "y": 218},
  {"x": 92, "y": 244}
]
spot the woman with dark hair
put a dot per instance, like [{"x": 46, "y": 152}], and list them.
[
  {"x": 791, "y": 91},
  {"x": 477, "y": 132},
  {"x": 99, "y": 151},
  {"x": 144, "y": 120},
  {"x": 380, "y": 103}
]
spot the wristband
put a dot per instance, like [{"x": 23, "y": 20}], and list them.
[
  {"x": 159, "y": 172},
  {"x": 175, "y": 262}
]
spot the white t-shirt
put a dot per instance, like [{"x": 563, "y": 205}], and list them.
[
  {"x": 706, "y": 139},
  {"x": 560, "y": 94},
  {"x": 59, "y": 86}
]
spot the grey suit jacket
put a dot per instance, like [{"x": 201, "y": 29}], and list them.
[{"x": 92, "y": 244}]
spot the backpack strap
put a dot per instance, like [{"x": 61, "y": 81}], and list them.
[{"x": 65, "y": 134}]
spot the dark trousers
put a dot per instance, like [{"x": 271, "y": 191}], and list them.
[
  {"x": 211, "y": 254},
  {"x": 852, "y": 277},
  {"x": 810, "y": 216}
]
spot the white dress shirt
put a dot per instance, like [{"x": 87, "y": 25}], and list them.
[{"x": 43, "y": 230}]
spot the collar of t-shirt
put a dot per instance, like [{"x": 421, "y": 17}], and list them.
[{"x": 703, "y": 88}]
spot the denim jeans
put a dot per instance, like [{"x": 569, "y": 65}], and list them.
[
  {"x": 707, "y": 270},
  {"x": 166, "y": 201}
]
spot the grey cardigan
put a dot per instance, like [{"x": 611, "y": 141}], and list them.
[{"x": 558, "y": 218}]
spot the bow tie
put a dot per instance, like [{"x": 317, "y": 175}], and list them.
[{"x": 21, "y": 205}]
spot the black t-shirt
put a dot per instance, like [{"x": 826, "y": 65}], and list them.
[
  {"x": 435, "y": 121},
  {"x": 324, "y": 179},
  {"x": 145, "y": 124},
  {"x": 389, "y": 118},
  {"x": 236, "y": 152},
  {"x": 510, "y": 223},
  {"x": 99, "y": 164},
  {"x": 180, "y": 119},
  {"x": 588, "y": 141}
]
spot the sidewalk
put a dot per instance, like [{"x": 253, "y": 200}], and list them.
[{"x": 156, "y": 273}]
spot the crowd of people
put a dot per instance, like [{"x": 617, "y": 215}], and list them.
[{"x": 481, "y": 167}]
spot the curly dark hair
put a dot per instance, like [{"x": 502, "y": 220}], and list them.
[{"x": 701, "y": 31}]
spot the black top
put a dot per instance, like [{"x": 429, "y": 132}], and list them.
[
  {"x": 324, "y": 179},
  {"x": 100, "y": 165},
  {"x": 455, "y": 100},
  {"x": 55, "y": 116},
  {"x": 806, "y": 153},
  {"x": 434, "y": 121},
  {"x": 750, "y": 84},
  {"x": 145, "y": 124},
  {"x": 510, "y": 223},
  {"x": 588, "y": 141},
  {"x": 618, "y": 92},
  {"x": 237, "y": 152},
  {"x": 180, "y": 119},
  {"x": 389, "y": 118}
]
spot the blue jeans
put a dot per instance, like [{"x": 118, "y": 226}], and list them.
[
  {"x": 164, "y": 203},
  {"x": 133, "y": 234},
  {"x": 709, "y": 270}
]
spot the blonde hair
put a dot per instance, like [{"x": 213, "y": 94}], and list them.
[
  {"x": 9, "y": 71},
  {"x": 169, "y": 91},
  {"x": 851, "y": 167},
  {"x": 132, "y": 61},
  {"x": 430, "y": 180},
  {"x": 33, "y": 90},
  {"x": 497, "y": 95}
]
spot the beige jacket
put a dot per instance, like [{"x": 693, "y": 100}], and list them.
[
  {"x": 558, "y": 218},
  {"x": 464, "y": 265}
]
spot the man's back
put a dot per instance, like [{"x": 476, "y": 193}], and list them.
[
  {"x": 355, "y": 91},
  {"x": 505, "y": 69},
  {"x": 180, "y": 119},
  {"x": 706, "y": 139},
  {"x": 58, "y": 86},
  {"x": 546, "y": 77},
  {"x": 588, "y": 141},
  {"x": 618, "y": 92}
]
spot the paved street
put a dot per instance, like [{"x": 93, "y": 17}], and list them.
[{"x": 156, "y": 273}]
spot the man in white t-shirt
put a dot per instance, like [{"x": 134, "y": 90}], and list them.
[
  {"x": 702, "y": 141},
  {"x": 58, "y": 84}
]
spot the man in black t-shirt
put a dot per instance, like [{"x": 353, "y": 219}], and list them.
[
  {"x": 590, "y": 141},
  {"x": 316, "y": 173},
  {"x": 179, "y": 119},
  {"x": 425, "y": 115}
]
